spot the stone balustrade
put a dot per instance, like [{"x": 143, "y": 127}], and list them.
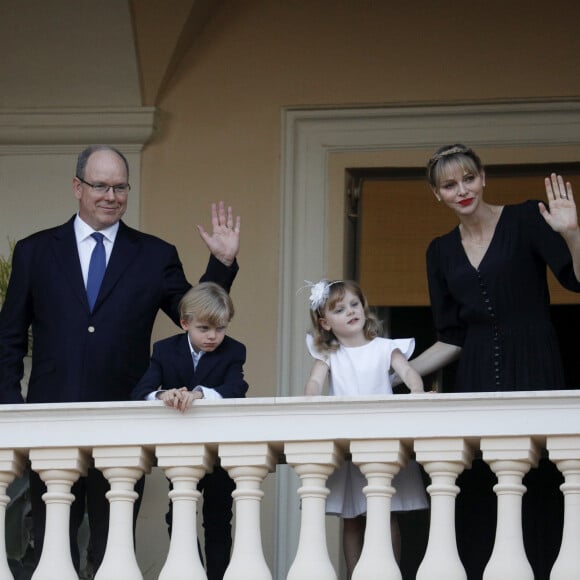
[{"x": 312, "y": 436}]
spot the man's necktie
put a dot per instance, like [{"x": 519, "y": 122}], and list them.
[{"x": 97, "y": 267}]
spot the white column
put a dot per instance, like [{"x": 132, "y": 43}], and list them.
[
  {"x": 184, "y": 465},
  {"x": 122, "y": 466},
  {"x": 443, "y": 460},
  {"x": 247, "y": 464},
  {"x": 313, "y": 461},
  {"x": 565, "y": 453},
  {"x": 510, "y": 458},
  {"x": 379, "y": 460},
  {"x": 11, "y": 466},
  {"x": 59, "y": 468}
]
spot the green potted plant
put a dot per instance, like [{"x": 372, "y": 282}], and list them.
[{"x": 5, "y": 268}]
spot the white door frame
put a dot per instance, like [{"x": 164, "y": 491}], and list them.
[{"x": 526, "y": 131}]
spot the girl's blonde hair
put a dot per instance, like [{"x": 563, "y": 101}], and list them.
[
  {"x": 207, "y": 301},
  {"x": 325, "y": 340}
]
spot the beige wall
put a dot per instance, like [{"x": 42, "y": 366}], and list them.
[
  {"x": 221, "y": 130},
  {"x": 67, "y": 54}
]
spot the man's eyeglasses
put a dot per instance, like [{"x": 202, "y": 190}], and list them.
[{"x": 119, "y": 189}]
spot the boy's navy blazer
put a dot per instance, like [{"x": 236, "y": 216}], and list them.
[{"x": 171, "y": 367}]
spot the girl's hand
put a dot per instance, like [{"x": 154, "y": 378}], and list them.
[
  {"x": 315, "y": 383},
  {"x": 562, "y": 217},
  {"x": 408, "y": 374}
]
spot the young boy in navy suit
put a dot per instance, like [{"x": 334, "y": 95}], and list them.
[{"x": 201, "y": 363}]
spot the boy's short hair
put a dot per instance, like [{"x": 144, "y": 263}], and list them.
[{"x": 207, "y": 301}]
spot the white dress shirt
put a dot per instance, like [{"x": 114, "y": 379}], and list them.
[
  {"x": 86, "y": 243},
  {"x": 207, "y": 392}
]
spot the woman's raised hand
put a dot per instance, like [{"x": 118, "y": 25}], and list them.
[{"x": 562, "y": 216}]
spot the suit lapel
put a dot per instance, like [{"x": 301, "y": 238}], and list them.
[
  {"x": 184, "y": 362},
  {"x": 206, "y": 365},
  {"x": 67, "y": 257},
  {"x": 125, "y": 250}
]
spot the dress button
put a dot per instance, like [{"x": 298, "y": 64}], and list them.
[{"x": 91, "y": 329}]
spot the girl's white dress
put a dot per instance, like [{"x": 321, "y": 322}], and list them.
[{"x": 364, "y": 370}]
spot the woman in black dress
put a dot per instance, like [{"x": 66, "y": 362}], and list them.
[{"x": 490, "y": 302}]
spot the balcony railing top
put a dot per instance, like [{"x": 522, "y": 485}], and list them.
[{"x": 282, "y": 419}]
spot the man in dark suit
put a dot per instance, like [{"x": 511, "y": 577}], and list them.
[
  {"x": 97, "y": 352},
  {"x": 202, "y": 363}
]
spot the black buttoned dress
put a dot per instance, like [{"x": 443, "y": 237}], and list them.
[{"x": 499, "y": 314}]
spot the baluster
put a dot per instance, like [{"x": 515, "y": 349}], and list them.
[
  {"x": 379, "y": 461},
  {"x": 59, "y": 468},
  {"x": 247, "y": 464},
  {"x": 443, "y": 460},
  {"x": 11, "y": 466},
  {"x": 122, "y": 467},
  {"x": 565, "y": 453},
  {"x": 510, "y": 458},
  {"x": 313, "y": 461},
  {"x": 185, "y": 465}
]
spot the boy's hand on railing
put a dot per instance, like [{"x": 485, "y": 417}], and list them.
[{"x": 179, "y": 399}]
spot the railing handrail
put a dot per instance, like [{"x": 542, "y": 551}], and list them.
[{"x": 276, "y": 420}]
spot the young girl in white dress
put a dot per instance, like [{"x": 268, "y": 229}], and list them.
[{"x": 346, "y": 345}]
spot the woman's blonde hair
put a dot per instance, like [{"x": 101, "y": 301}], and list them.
[
  {"x": 325, "y": 340},
  {"x": 207, "y": 301},
  {"x": 452, "y": 154}
]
